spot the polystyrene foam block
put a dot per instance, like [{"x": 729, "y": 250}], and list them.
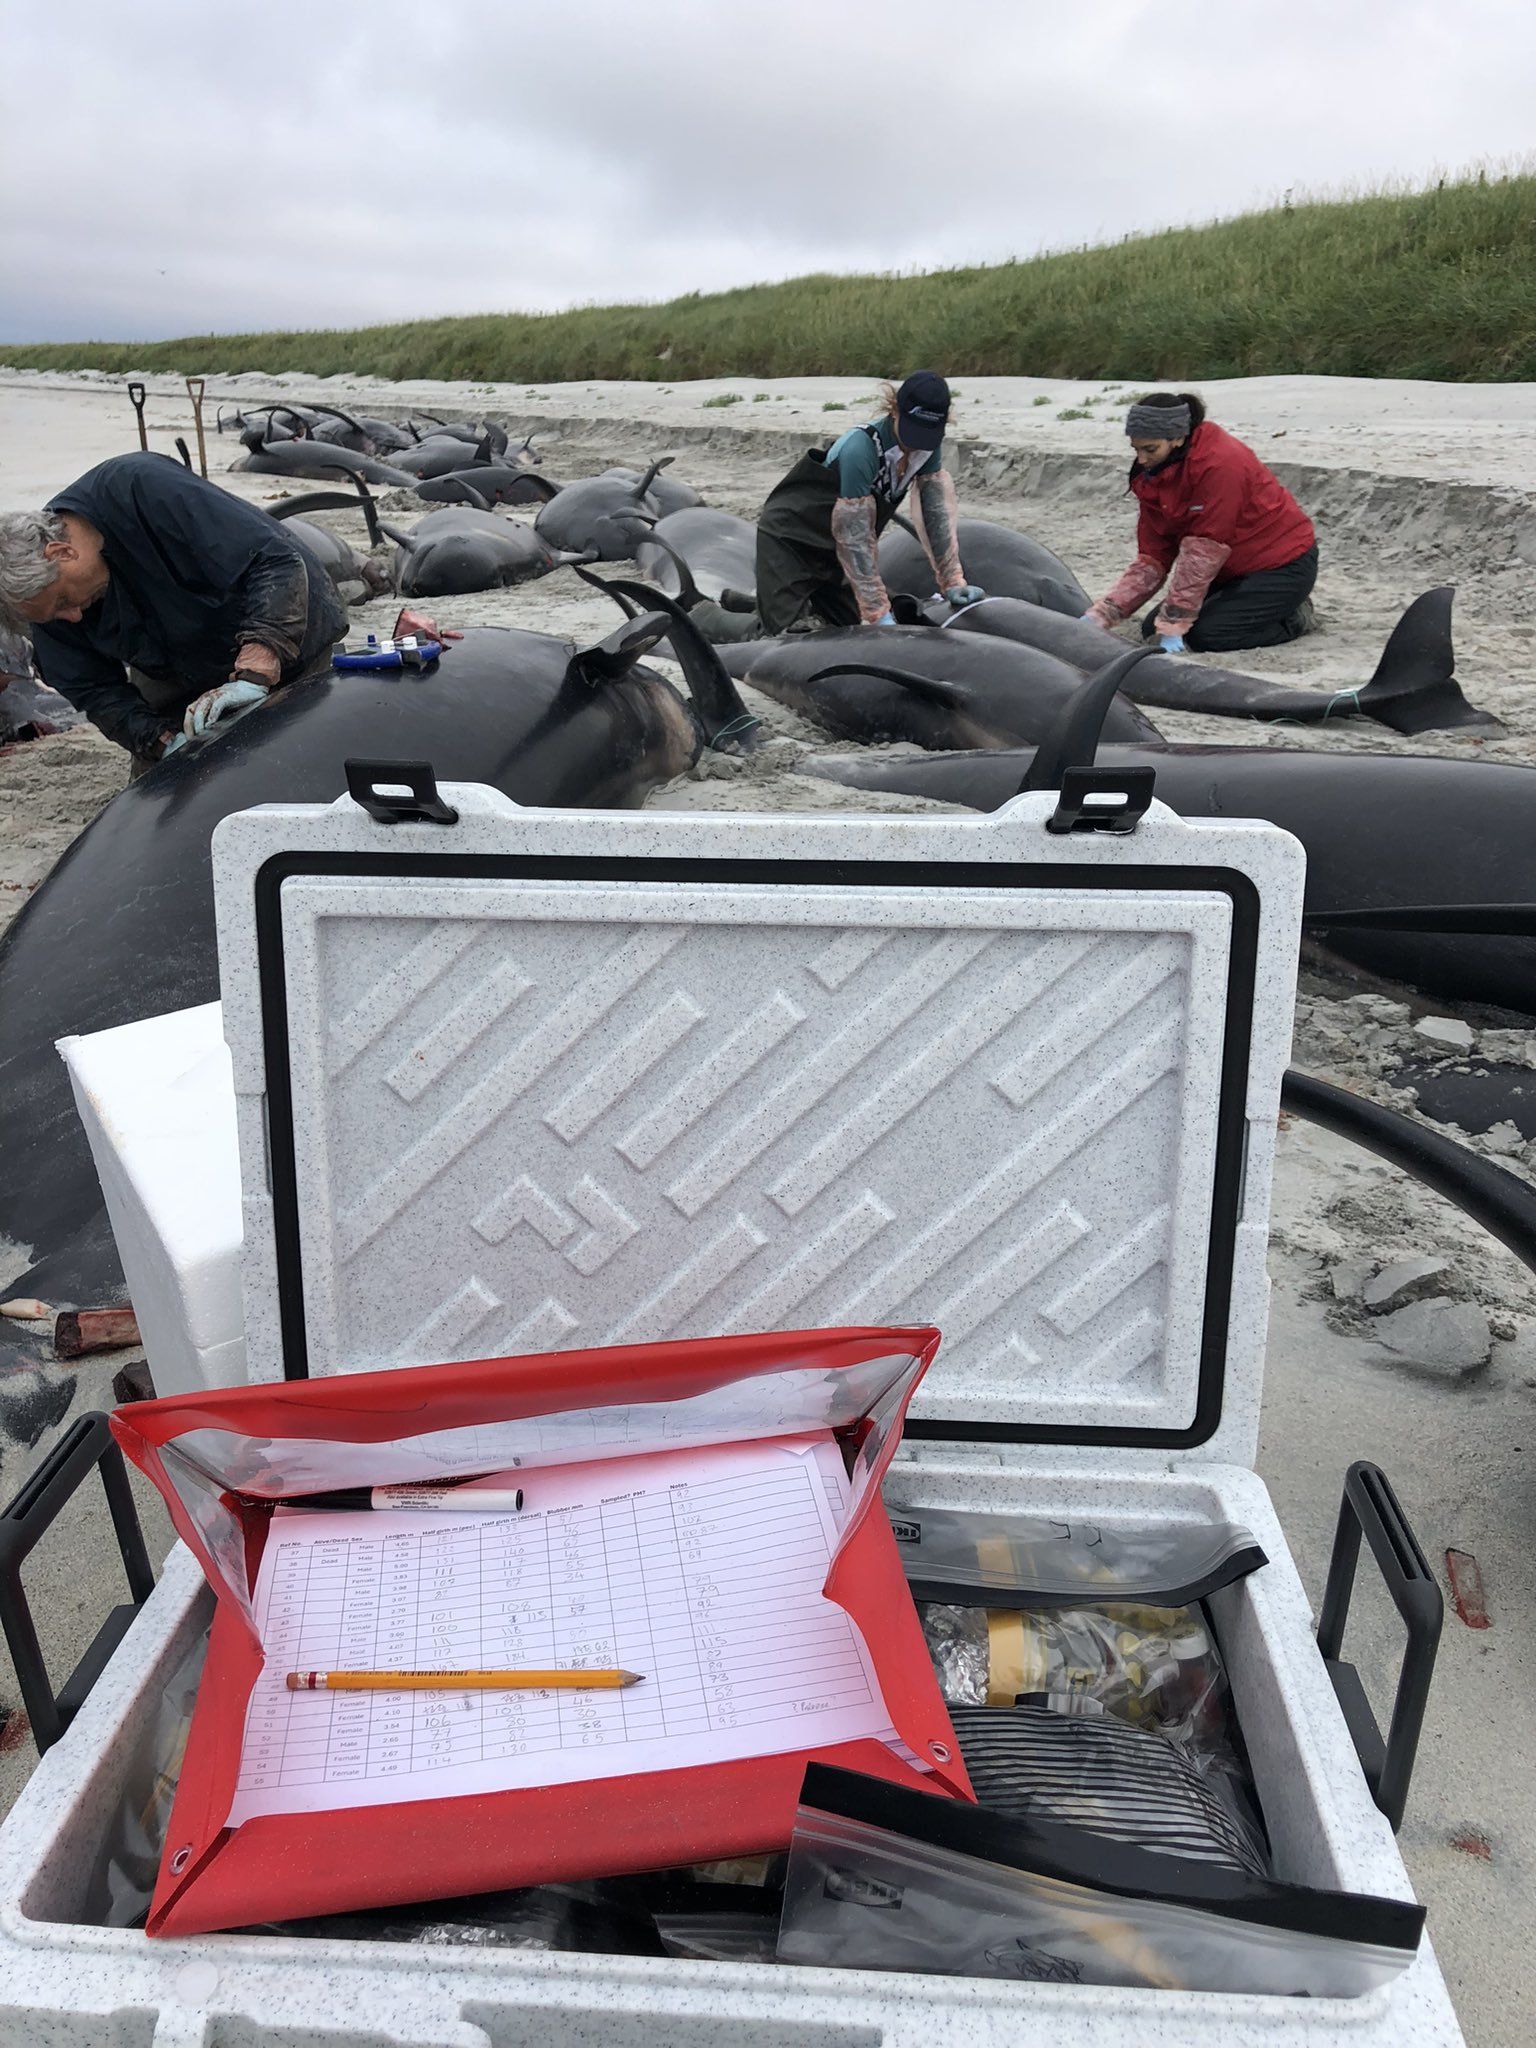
[{"x": 158, "y": 1105}]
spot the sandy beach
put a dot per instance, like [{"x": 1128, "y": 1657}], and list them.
[{"x": 1411, "y": 486}]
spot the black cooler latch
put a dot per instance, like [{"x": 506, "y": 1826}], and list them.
[
  {"x": 398, "y": 792},
  {"x": 1091, "y": 798},
  {"x": 1102, "y": 799}
]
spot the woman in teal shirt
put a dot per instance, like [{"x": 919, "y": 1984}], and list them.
[{"x": 817, "y": 537}]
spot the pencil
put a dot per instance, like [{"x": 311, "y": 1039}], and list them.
[{"x": 459, "y": 1681}]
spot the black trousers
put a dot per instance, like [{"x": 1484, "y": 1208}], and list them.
[{"x": 1252, "y": 611}]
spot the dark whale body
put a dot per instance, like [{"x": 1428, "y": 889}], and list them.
[
  {"x": 311, "y": 458},
  {"x": 462, "y": 548},
  {"x": 609, "y": 515},
  {"x": 123, "y": 927},
  {"x": 1002, "y": 562},
  {"x": 936, "y": 690},
  {"x": 1420, "y": 868},
  {"x": 698, "y": 552},
  {"x": 1413, "y": 689}
]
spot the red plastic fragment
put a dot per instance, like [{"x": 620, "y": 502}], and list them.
[{"x": 1467, "y": 1595}]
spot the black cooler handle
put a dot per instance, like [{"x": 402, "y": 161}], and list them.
[
  {"x": 30, "y": 1515},
  {"x": 1372, "y": 1509}
]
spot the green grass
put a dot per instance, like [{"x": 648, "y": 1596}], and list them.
[{"x": 1436, "y": 283}]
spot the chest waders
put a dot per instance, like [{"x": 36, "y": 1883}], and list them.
[{"x": 800, "y": 581}]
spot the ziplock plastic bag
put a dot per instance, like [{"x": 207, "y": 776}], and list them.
[
  {"x": 1131, "y": 1784},
  {"x": 609, "y": 1917},
  {"x": 658, "y": 1912},
  {"x": 123, "y": 1881},
  {"x": 989, "y": 1560},
  {"x": 721, "y": 1937},
  {"x": 881, "y": 1878},
  {"x": 1154, "y": 1667}
]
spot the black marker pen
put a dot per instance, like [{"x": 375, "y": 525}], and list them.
[{"x": 456, "y": 1496}]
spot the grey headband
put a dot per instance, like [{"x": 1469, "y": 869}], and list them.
[{"x": 1157, "y": 422}]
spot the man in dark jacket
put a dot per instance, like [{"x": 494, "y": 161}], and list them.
[{"x": 161, "y": 604}]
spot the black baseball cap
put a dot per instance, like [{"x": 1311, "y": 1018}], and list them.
[{"x": 922, "y": 409}]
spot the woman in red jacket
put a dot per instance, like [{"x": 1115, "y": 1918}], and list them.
[{"x": 1237, "y": 551}]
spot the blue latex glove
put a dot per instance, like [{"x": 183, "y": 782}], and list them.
[
  {"x": 1171, "y": 643},
  {"x": 204, "y": 712},
  {"x": 886, "y": 619},
  {"x": 177, "y": 739},
  {"x": 965, "y": 593}
]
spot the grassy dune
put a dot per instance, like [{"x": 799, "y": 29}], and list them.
[{"x": 1438, "y": 283}]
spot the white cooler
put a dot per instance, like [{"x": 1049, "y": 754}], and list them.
[{"x": 534, "y": 1079}]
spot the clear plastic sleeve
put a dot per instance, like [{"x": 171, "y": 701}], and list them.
[
  {"x": 123, "y": 1880},
  {"x": 1129, "y": 1784},
  {"x": 881, "y": 1878},
  {"x": 1152, "y": 1667},
  {"x": 989, "y": 1560}
]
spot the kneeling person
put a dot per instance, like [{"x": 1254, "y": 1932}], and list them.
[
  {"x": 161, "y": 604},
  {"x": 817, "y": 538},
  {"x": 1236, "y": 550}
]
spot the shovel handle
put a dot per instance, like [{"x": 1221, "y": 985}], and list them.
[
  {"x": 136, "y": 394},
  {"x": 196, "y": 386}
]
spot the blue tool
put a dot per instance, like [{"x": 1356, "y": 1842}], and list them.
[{"x": 377, "y": 653}]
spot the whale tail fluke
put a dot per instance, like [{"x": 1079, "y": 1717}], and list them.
[{"x": 1414, "y": 688}]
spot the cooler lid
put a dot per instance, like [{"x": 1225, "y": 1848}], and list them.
[{"x": 539, "y": 1079}]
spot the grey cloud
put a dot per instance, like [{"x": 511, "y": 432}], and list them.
[{"x": 318, "y": 166}]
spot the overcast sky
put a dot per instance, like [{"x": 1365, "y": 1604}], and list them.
[{"x": 176, "y": 169}]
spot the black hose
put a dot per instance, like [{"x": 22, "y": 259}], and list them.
[{"x": 1488, "y": 1193}]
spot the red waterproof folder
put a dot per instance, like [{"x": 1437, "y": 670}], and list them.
[{"x": 215, "y": 1455}]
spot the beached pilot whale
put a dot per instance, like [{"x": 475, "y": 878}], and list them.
[
  {"x": 489, "y": 483},
  {"x": 607, "y": 513},
  {"x": 123, "y": 927},
  {"x": 463, "y": 548},
  {"x": 698, "y": 552},
  {"x": 1414, "y": 688},
  {"x": 1420, "y": 868},
  {"x": 670, "y": 492},
  {"x": 908, "y": 682},
  {"x": 1002, "y": 562},
  {"x": 442, "y": 451},
  {"x": 304, "y": 456},
  {"x": 911, "y": 683}
]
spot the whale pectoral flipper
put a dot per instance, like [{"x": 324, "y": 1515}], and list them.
[
  {"x": 950, "y": 695},
  {"x": 661, "y": 462},
  {"x": 1414, "y": 688}
]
